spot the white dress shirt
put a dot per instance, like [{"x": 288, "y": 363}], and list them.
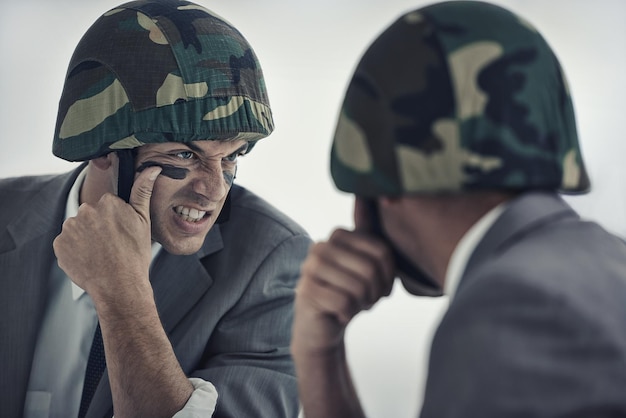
[
  {"x": 60, "y": 360},
  {"x": 466, "y": 246}
]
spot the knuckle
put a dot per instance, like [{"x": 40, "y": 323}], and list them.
[
  {"x": 384, "y": 252},
  {"x": 365, "y": 292},
  {"x": 307, "y": 266},
  {"x": 369, "y": 268},
  {"x": 338, "y": 234},
  {"x": 317, "y": 251},
  {"x": 350, "y": 306},
  {"x": 144, "y": 192},
  {"x": 84, "y": 208},
  {"x": 107, "y": 197},
  {"x": 56, "y": 244}
]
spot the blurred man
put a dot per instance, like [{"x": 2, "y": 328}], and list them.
[
  {"x": 456, "y": 134},
  {"x": 175, "y": 280}
]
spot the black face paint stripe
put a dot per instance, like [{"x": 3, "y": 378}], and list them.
[
  {"x": 173, "y": 172},
  {"x": 229, "y": 178}
]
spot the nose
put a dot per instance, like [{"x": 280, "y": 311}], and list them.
[{"x": 209, "y": 182}]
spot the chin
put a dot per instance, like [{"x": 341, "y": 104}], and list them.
[
  {"x": 418, "y": 288},
  {"x": 181, "y": 252},
  {"x": 181, "y": 248}
]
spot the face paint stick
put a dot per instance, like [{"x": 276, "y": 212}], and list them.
[{"x": 173, "y": 172}]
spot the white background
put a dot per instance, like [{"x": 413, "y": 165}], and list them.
[{"x": 307, "y": 51}]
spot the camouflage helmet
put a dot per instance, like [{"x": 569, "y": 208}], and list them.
[
  {"x": 453, "y": 97},
  {"x": 153, "y": 71}
]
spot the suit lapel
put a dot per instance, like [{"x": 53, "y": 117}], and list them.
[
  {"x": 523, "y": 214},
  {"x": 179, "y": 281},
  {"x": 25, "y": 263}
]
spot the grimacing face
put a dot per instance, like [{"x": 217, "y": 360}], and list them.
[{"x": 183, "y": 210}]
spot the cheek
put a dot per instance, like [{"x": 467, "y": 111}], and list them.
[
  {"x": 393, "y": 227},
  {"x": 161, "y": 194},
  {"x": 387, "y": 219}
]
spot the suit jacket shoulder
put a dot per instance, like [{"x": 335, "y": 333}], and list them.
[
  {"x": 538, "y": 324},
  {"x": 248, "y": 208},
  {"x": 31, "y": 213},
  {"x": 18, "y": 194}
]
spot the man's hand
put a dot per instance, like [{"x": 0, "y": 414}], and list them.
[
  {"x": 106, "y": 250},
  {"x": 339, "y": 278},
  {"x": 107, "y": 246}
]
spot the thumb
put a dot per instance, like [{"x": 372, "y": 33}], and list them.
[
  {"x": 142, "y": 191},
  {"x": 365, "y": 214}
]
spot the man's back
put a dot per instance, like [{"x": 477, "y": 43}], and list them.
[{"x": 538, "y": 325}]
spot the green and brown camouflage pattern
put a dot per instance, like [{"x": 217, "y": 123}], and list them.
[
  {"x": 457, "y": 96},
  {"x": 154, "y": 71}
]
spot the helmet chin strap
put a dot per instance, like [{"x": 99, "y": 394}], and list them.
[
  {"x": 225, "y": 212},
  {"x": 126, "y": 173},
  {"x": 126, "y": 178}
]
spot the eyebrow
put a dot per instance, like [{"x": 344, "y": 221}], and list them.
[
  {"x": 199, "y": 150},
  {"x": 194, "y": 147},
  {"x": 243, "y": 148}
]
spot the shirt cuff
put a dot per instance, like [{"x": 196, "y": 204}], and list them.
[{"x": 202, "y": 402}]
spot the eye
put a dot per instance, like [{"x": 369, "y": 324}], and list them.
[
  {"x": 185, "y": 155},
  {"x": 233, "y": 157}
]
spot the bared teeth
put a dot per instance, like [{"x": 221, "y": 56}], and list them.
[{"x": 189, "y": 214}]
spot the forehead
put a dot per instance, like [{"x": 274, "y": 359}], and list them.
[{"x": 205, "y": 147}]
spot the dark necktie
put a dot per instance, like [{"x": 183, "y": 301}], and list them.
[{"x": 95, "y": 367}]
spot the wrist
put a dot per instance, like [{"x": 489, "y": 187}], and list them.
[
  {"x": 316, "y": 333},
  {"x": 123, "y": 297},
  {"x": 316, "y": 351}
]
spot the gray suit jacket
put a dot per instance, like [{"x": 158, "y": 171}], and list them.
[
  {"x": 538, "y": 325},
  {"x": 227, "y": 309}
]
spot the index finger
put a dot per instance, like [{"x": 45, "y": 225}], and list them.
[{"x": 369, "y": 247}]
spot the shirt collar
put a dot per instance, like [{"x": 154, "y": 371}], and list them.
[
  {"x": 71, "y": 210},
  {"x": 466, "y": 246}
]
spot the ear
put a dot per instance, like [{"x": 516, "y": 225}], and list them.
[{"x": 105, "y": 162}]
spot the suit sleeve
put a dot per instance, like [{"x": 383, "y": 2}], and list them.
[
  {"x": 511, "y": 349},
  {"x": 255, "y": 376}
]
